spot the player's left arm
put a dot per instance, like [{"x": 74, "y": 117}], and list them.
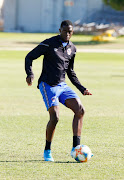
[
  {"x": 87, "y": 92},
  {"x": 73, "y": 78}
]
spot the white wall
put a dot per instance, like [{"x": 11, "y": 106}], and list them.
[
  {"x": 29, "y": 15},
  {"x": 9, "y": 15},
  {"x": 45, "y": 15},
  {"x": 94, "y": 6}
]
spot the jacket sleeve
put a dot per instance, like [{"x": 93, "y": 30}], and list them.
[
  {"x": 72, "y": 76},
  {"x": 41, "y": 49}
]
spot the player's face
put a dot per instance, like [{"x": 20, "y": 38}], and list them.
[{"x": 66, "y": 33}]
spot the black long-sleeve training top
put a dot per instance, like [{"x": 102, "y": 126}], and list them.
[{"x": 57, "y": 61}]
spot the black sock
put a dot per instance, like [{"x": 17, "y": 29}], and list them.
[
  {"x": 76, "y": 140},
  {"x": 48, "y": 145}
]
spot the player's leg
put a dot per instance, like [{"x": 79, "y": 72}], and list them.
[
  {"x": 69, "y": 98},
  {"x": 75, "y": 105},
  {"x": 50, "y": 129},
  {"x": 50, "y": 97}
]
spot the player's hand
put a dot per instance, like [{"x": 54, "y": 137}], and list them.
[
  {"x": 87, "y": 92},
  {"x": 29, "y": 80}
]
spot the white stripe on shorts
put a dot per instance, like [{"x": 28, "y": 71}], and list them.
[{"x": 45, "y": 93}]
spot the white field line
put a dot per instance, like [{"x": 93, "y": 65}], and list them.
[{"x": 78, "y": 50}]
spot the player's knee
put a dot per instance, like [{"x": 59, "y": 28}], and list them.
[
  {"x": 54, "y": 116},
  {"x": 81, "y": 111}
]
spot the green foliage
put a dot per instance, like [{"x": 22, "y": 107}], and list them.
[{"x": 115, "y": 4}]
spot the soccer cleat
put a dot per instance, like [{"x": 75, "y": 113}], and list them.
[
  {"x": 47, "y": 155},
  {"x": 72, "y": 152}
]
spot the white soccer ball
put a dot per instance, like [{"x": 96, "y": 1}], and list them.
[{"x": 82, "y": 153}]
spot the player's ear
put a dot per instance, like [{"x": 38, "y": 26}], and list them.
[
  {"x": 72, "y": 30},
  {"x": 60, "y": 30}
]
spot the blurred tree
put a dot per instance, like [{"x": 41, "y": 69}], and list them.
[{"x": 115, "y": 4}]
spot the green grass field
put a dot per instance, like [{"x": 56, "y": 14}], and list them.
[{"x": 23, "y": 119}]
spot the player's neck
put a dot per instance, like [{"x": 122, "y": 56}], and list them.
[{"x": 63, "y": 41}]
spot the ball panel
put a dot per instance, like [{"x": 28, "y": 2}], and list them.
[
  {"x": 77, "y": 159},
  {"x": 82, "y": 153},
  {"x": 74, "y": 154},
  {"x": 81, "y": 157}
]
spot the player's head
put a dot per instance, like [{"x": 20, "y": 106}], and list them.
[{"x": 66, "y": 30}]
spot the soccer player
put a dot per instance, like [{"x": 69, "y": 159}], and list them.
[{"x": 59, "y": 54}]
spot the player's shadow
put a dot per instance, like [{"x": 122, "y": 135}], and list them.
[
  {"x": 26, "y": 161},
  {"x": 38, "y": 161},
  {"x": 66, "y": 162}
]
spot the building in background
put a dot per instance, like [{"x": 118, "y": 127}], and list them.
[
  {"x": 46, "y": 15},
  {"x": 1, "y": 15}
]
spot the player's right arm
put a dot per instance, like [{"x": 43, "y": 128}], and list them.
[{"x": 41, "y": 49}]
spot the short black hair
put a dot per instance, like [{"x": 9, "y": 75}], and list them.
[{"x": 66, "y": 23}]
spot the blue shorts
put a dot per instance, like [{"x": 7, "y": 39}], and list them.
[{"x": 53, "y": 95}]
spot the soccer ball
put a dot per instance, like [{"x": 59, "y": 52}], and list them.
[{"x": 82, "y": 153}]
